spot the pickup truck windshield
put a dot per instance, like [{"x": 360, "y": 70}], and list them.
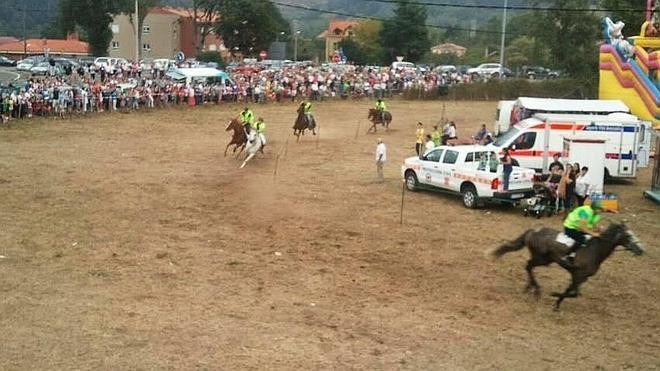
[{"x": 506, "y": 137}]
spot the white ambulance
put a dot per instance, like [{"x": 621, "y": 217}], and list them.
[
  {"x": 471, "y": 171},
  {"x": 535, "y": 140},
  {"x": 510, "y": 112}
]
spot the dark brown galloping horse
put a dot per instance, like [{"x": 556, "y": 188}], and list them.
[
  {"x": 301, "y": 124},
  {"x": 239, "y": 137},
  {"x": 374, "y": 116},
  {"x": 545, "y": 250}
]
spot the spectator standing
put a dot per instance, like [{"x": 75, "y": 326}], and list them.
[
  {"x": 436, "y": 136},
  {"x": 419, "y": 136},
  {"x": 481, "y": 134},
  {"x": 451, "y": 131},
  {"x": 381, "y": 157},
  {"x": 556, "y": 163},
  {"x": 429, "y": 145},
  {"x": 582, "y": 186},
  {"x": 507, "y": 163}
]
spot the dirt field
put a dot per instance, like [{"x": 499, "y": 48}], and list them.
[{"x": 130, "y": 242}]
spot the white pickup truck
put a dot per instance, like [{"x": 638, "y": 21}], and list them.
[{"x": 472, "y": 171}]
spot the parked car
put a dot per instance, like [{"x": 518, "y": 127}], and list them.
[
  {"x": 29, "y": 62},
  {"x": 471, "y": 171},
  {"x": 86, "y": 61},
  {"x": 6, "y": 62},
  {"x": 489, "y": 70},
  {"x": 41, "y": 69},
  {"x": 539, "y": 73},
  {"x": 65, "y": 62}
]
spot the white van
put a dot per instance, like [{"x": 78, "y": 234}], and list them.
[
  {"x": 524, "y": 107},
  {"x": 402, "y": 65},
  {"x": 503, "y": 116},
  {"x": 534, "y": 140}
]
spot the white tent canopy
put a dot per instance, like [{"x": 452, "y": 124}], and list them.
[{"x": 572, "y": 105}]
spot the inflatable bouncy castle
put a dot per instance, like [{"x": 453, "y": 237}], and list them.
[{"x": 629, "y": 66}]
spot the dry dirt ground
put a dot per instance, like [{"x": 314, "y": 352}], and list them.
[{"x": 129, "y": 242}]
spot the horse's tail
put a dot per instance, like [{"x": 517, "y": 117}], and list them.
[{"x": 510, "y": 246}]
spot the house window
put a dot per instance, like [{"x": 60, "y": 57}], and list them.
[
  {"x": 115, "y": 28},
  {"x": 146, "y": 47},
  {"x": 146, "y": 29},
  {"x": 115, "y": 45}
]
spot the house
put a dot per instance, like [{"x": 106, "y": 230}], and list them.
[
  {"x": 449, "y": 48},
  {"x": 165, "y": 32},
  {"x": 7, "y": 39},
  {"x": 71, "y": 47},
  {"x": 336, "y": 32}
]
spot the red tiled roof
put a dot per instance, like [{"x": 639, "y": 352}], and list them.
[
  {"x": 7, "y": 39},
  {"x": 37, "y": 46},
  {"x": 340, "y": 24},
  {"x": 181, "y": 12}
]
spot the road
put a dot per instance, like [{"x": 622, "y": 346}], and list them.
[{"x": 8, "y": 74}]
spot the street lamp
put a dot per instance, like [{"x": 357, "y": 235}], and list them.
[
  {"x": 503, "y": 39},
  {"x": 277, "y": 36},
  {"x": 295, "y": 45}
]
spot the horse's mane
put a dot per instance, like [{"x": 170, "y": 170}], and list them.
[{"x": 612, "y": 230}]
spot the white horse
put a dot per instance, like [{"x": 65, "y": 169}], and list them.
[{"x": 253, "y": 145}]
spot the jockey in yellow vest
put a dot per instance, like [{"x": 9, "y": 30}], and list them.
[
  {"x": 381, "y": 108},
  {"x": 247, "y": 118},
  {"x": 582, "y": 221},
  {"x": 260, "y": 128},
  {"x": 307, "y": 111}
]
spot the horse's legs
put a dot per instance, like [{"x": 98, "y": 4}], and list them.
[
  {"x": 532, "y": 284},
  {"x": 242, "y": 147},
  {"x": 247, "y": 158},
  {"x": 227, "y": 148},
  {"x": 571, "y": 292}
]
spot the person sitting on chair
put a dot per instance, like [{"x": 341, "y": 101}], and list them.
[
  {"x": 247, "y": 118},
  {"x": 380, "y": 107},
  {"x": 582, "y": 221},
  {"x": 307, "y": 111}
]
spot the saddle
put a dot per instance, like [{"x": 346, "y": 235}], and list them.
[{"x": 565, "y": 240}]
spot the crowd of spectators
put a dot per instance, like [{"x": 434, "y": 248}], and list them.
[{"x": 95, "y": 89}]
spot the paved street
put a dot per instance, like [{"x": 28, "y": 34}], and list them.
[{"x": 7, "y": 75}]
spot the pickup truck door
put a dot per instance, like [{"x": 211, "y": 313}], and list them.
[
  {"x": 430, "y": 169},
  {"x": 448, "y": 167}
]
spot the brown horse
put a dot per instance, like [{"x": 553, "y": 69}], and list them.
[
  {"x": 239, "y": 137},
  {"x": 545, "y": 250},
  {"x": 374, "y": 116},
  {"x": 301, "y": 124}
]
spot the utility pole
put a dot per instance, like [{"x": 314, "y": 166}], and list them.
[
  {"x": 24, "y": 33},
  {"x": 506, "y": 3},
  {"x": 137, "y": 33}
]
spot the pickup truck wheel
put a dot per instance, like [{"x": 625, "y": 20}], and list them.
[
  {"x": 411, "y": 181},
  {"x": 469, "y": 196}
]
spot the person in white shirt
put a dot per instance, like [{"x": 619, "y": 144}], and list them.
[
  {"x": 582, "y": 186},
  {"x": 429, "y": 143},
  {"x": 381, "y": 157}
]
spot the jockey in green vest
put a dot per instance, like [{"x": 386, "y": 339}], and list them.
[
  {"x": 307, "y": 110},
  {"x": 260, "y": 128},
  {"x": 247, "y": 118},
  {"x": 582, "y": 221},
  {"x": 381, "y": 108}
]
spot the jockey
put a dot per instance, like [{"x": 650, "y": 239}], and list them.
[
  {"x": 380, "y": 107},
  {"x": 581, "y": 222},
  {"x": 307, "y": 110},
  {"x": 247, "y": 118},
  {"x": 260, "y": 127}
]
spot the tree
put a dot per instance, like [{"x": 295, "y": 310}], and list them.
[
  {"x": 523, "y": 51},
  {"x": 248, "y": 26},
  {"x": 572, "y": 38},
  {"x": 364, "y": 46},
  {"x": 632, "y": 19},
  {"x": 93, "y": 17},
  {"x": 405, "y": 34}
]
